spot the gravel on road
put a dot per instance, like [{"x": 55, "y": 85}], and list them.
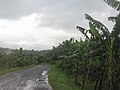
[{"x": 35, "y": 78}]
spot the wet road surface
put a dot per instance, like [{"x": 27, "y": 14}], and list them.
[{"x": 35, "y": 78}]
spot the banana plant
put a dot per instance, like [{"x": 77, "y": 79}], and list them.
[{"x": 99, "y": 35}]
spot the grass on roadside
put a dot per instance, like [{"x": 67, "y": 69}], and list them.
[
  {"x": 4, "y": 71},
  {"x": 59, "y": 81}
]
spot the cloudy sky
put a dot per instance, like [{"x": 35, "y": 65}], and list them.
[{"x": 41, "y": 24}]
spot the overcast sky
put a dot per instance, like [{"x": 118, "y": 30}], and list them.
[{"x": 41, "y": 24}]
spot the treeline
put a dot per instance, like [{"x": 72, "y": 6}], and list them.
[
  {"x": 19, "y": 58},
  {"x": 94, "y": 61}
]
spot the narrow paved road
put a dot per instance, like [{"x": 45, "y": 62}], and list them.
[{"x": 29, "y": 79}]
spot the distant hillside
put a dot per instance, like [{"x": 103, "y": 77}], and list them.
[
  {"x": 6, "y": 50},
  {"x": 28, "y": 52},
  {"x": 41, "y": 53}
]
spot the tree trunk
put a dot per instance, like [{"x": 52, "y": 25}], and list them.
[
  {"x": 84, "y": 75},
  {"x": 76, "y": 74},
  {"x": 96, "y": 84},
  {"x": 100, "y": 85}
]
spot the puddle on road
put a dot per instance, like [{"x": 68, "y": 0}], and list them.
[
  {"x": 44, "y": 73},
  {"x": 30, "y": 84},
  {"x": 38, "y": 83}
]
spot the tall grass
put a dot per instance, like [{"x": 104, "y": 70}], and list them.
[{"x": 60, "y": 81}]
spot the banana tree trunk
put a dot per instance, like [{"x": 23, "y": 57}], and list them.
[{"x": 76, "y": 74}]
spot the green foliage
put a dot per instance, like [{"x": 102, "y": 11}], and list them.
[
  {"x": 93, "y": 30},
  {"x": 59, "y": 81},
  {"x": 93, "y": 63},
  {"x": 20, "y": 58},
  {"x": 94, "y": 60}
]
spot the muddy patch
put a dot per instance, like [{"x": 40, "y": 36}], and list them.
[{"x": 38, "y": 84}]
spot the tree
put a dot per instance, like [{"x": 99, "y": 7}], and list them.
[{"x": 106, "y": 43}]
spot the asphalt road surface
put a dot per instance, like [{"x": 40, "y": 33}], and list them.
[{"x": 35, "y": 78}]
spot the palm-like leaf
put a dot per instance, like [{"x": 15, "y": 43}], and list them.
[
  {"x": 93, "y": 30},
  {"x": 114, "y": 4},
  {"x": 83, "y": 31},
  {"x": 97, "y": 52},
  {"x": 98, "y": 25},
  {"x": 116, "y": 28},
  {"x": 113, "y": 19}
]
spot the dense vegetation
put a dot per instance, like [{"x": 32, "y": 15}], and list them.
[
  {"x": 95, "y": 60},
  {"x": 93, "y": 63},
  {"x": 60, "y": 81},
  {"x": 19, "y": 58}
]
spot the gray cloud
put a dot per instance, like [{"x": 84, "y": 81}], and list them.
[
  {"x": 68, "y": 13},
  {"x": 55, "y": 14},
  {"x": 60, "y": 14},
  {"x": 14, "y": 9}
]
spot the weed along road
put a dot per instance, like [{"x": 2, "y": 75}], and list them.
[{"x": 35, "y": 78}]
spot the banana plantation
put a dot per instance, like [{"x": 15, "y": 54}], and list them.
[
  {"x": 20, "y": 58},
  {"x": 94, "y": 60}
]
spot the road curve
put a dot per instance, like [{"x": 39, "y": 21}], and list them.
[{"x": 30, "y": 79}]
